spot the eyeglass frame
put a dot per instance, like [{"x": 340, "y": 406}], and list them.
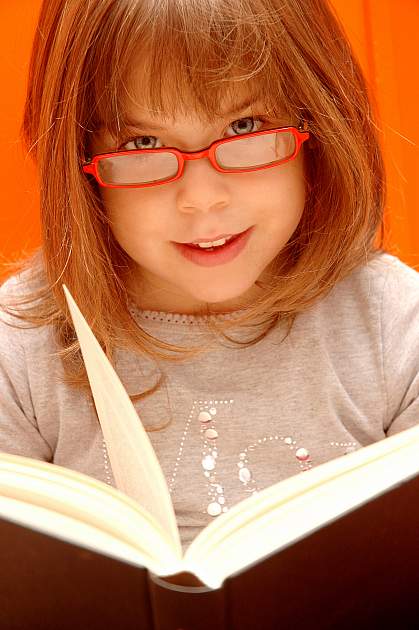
[{"x": 301, "y": 134}]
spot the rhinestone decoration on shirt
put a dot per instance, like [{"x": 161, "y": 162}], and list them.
[
  {"x": 207, "y": 416},
  {"x": 209, "y": 435},
  {"x": 350, "y": 446},
  {"x": 182, "y": 443},
  {"x": 106, "y": 463},
  {"x": 302, "y": 455}
]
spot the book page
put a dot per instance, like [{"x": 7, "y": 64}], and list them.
[
  {"x": 294, "y": 507},
  {"x": 134, "y": 463},
  {"x": 75, "y": 507}
]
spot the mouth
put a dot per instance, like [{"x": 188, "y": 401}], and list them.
[{"x": 210, "y": 256}]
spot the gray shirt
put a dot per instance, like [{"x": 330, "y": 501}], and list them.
[{"x": 242, "y": 419}]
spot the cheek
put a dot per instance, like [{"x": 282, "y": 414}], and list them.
[
  {"x": 126, "y": 212},
  {"x": 137, "y": 221},
  {"x": 125, "y": 221},
  {"x": 117, "y": 202},
  {"x": 284, "y": 189}
]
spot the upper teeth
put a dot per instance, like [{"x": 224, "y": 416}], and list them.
[{"x": 214, "y": 243}]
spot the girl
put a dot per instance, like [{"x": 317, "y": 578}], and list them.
[{"x": 211, "y": 191}]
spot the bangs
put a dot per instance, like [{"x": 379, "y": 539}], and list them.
[{"x": 186, "y": 56}]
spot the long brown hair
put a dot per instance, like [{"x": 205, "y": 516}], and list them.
[{"x": 293, "y": 52}]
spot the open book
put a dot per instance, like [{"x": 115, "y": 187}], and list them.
[{"x": 368, "y": 497}]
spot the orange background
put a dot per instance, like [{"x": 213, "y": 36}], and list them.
[{"x": 384, "y": 36}]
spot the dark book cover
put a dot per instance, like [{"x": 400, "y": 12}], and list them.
[{"x": 359, "y": 571}]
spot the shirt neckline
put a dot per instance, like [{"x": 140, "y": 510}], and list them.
[{"x": 182, "y": 318}]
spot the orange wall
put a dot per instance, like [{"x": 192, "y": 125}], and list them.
[
  {"x": 384, "y": 35},
  {"x": 19, "y": 224}
]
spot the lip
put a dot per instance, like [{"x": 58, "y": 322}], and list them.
[
  {"x": 220, "y": 256},
  {"x": 210, "y": 239}
]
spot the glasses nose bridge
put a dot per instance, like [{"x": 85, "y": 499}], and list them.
[{"x": 195, "y": 155}]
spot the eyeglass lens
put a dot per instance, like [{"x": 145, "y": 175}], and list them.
[{"x": 242, "y": 153}]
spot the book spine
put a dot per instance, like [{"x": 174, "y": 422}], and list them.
[{"x": 180, "y": 605}]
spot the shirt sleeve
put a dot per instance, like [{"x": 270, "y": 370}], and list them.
[
  {"x": 18, "y": 427},
  {"x": 400, "y": 347}
]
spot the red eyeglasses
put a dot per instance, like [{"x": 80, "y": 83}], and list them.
[{"x": 241, "y": 154}]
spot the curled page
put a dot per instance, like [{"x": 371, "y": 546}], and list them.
[{"x": 134, "y": 463}]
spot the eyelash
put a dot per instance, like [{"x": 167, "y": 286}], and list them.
[{"x": 122, "y": 146}]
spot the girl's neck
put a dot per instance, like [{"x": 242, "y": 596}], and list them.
[{"x": 149, "y": 297}]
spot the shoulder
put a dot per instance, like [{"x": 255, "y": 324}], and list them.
[
  {"x": 376, "y": 298},
  {"x": 21, "y": 285},
  {"x": 19, "y": 294},
  {"x": 385, "y": 282},
  {"x": 387, "y": 269}
]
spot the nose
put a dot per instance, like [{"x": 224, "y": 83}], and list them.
[{"x": 202, "y": 188}]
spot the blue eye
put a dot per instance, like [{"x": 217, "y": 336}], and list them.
[{"x": 246, "y": 125}]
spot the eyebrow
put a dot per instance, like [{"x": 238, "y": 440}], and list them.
[{"x": 236, "y": 109}]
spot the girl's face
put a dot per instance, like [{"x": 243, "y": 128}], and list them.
[{"x": 147, "y": 222}]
